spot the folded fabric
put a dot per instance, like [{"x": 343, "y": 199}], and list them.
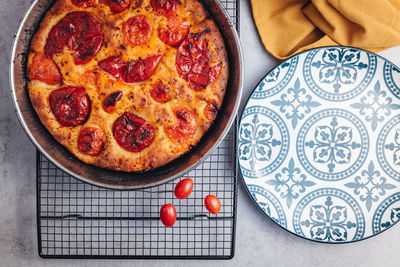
[{"x": 288, "y": 27}]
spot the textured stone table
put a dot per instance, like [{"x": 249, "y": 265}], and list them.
[{"x": 259, "y": 242}]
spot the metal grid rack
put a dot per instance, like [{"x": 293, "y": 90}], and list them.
[{"x": 78, "y": 220}]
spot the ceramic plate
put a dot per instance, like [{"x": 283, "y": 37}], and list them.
[{"x": 319, "y": 144}]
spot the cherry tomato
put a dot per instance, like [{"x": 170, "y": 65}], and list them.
[
  {"x": 140, "y": 70},
  {"x": 186, "y": 126},
  {"x": 164, "y": 7},
  {"x": 116, "y": 6},
  {"x": 132, "y": 71},
  {"x": 70, "y": 105},
  {"x": 112, "y": 65},
  {"x": 168, "y": 215},
  {"x": 192, "y": 61},
  {"x": 111, "y": 100},
  {"x": 45, "y": 70},
  {"x": 132, "y": 132},
  {"x": 80, "y": 31},
  {"x": 214, "y": 73},
  {"x": 211, "y": 110},
  {"x": 184, "y": 188},
  {"x": 90, "y": 141},
  {"x": 175, "y": 32},
  {"x": 160, "y": 92},
  {"x": 84, "y": 3},
  {"x": 137, "y": 30},
  {"x": 212, "y": 204},
  {"x": 87, "y": 51}
]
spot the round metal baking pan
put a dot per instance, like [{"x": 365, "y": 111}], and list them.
[{"x": 64, "y": 160}]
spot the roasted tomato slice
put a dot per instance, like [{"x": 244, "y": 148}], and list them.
[
  {"x": 132, "y": 132},
  {"x": 45, "y": 70},
  {"x": 90, "y": 141},
  {"x": 175, "y": 32},
  {"x": 84, "y": 3},
  {"x": 112, "y": 65},
  {"x": 137, "y": 30},
  {"x": 79, "y": 31},
  {"x": 87, "y": 51},
  {"x": 133, "y": 71},
  {"x": 160, "y": 92},
  {"x": 214, "y": 73},
  {"x": 185, "y": 128},
  {"x": 192, "y": 61},
  {"x": 141, "y": 69},
  {"x": 165, "y": 7},
  {"x": 70, "y": 105},
  {"x": 117, "y": 6},
  {"x": 211, "y": 110},
  {"x": 111, "y": 100}
]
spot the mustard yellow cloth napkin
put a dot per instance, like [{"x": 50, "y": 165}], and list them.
[{"x": 288, "y": 27}]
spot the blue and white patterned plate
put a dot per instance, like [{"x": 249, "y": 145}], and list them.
[{"x": 319, "y": 144}]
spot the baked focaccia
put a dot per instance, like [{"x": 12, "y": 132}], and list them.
[{"x": 127, "y": 85}]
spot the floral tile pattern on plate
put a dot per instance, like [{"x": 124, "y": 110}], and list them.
[{"x": 319, "y": 144}]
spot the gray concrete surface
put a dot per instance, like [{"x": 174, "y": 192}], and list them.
[{"x": 259, "y": 241}]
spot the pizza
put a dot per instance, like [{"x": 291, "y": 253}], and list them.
[{"x": 127, "y": 85}]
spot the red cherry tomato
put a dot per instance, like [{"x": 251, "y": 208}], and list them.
[
  {"x": 86, "y": 52},
  {"x": 111, "y": 100},
  {"x": 184, "y": 188},
  {"x": 165, "y": 7},
  {"x": 133, "y": 71},
  {"x": 45, "y": 70},
  {"x": 132, "y": 132},
  {"x": 84, "y": 3},
  {"x": 79, "y": 31},
  {"x": 168, "y": 215},
  {"x": 90, "y": 141},
  {"x": 140, "y": 70},
  {"x": 160, "y": 92},
  {"x": 192, "y": 61},
  {"x": 186, "y": 126},
  {"x": 214, "y": 73},
  {"x": 211, "y": 110},
  {"x": 175, "y": 32},
  {"x": 137, "y": 30},
  {"x": 116, "y": 6},
  {"x": 70, "y": 105},
  {"x": 212, "y": 204},
  {"x": 112, "y": 65}
]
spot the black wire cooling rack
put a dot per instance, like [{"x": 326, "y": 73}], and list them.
[{"x": 78, "y": 220}]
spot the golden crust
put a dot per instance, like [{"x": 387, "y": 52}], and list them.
[{"x": 136, "y": 97}]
